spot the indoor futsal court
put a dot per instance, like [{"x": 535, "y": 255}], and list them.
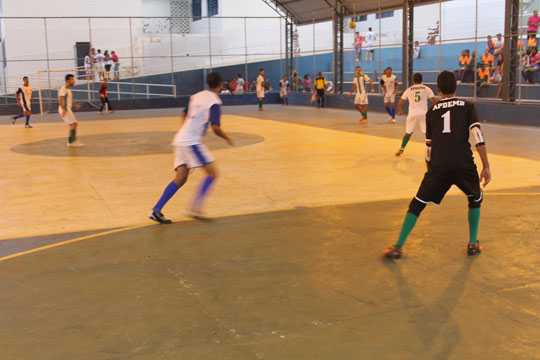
[{"x": 269, "y": 179}]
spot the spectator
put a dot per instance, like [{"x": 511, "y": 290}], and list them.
[
  {"x": 497, "y": 77},
  {"x": 532, "y": 42},
  {"x": 432, "y": 34},
  {"x": 490, "y": 45},
  {"x": 100, "y": 60},
  {"x": 88, "y": 66},
  {"x": 307, "y": 83},
  {"x": 267, "y": 86},
  {"x": 499, "y": 45},
  {"x": 464, "y": 61},
  {"x": 482, "y": 78},
  {"x": 296, "y": 43},
  {"x": 489, "y": 60},
  {"x": 416, "y": 50},
  {"x": 521, "y": 48},
  {"x": 358, "y": 40},
  {"x": 475, "y": 63},
  {"x": 533, "y": 66},
  {"x": 239, "y": 85},
  {"x": 108, "y": 62},
  {"x": 533, "y": 23},
  {"x": 296, "y": 81},
  {"x": 103, "y": 97},
  {"x": 116, "y": 63}
]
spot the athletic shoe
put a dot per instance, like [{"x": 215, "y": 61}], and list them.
[
  {"x": 393, "y": 252},
  {"x": 400, "y": 152},
  {"x": 393, "y": 121},
  {"x": 100, "y": 112},
  {"x": 28, "y": 126},
  {"x": 75, "y": 144},
  {"x": 474, "y": 249},
  {"x": 13, "y": 119},
  {"x": 158, "y": 217},
  {"x": 389, "y": 119},
  {"x": 363, "y": 121},
  {"x": 198, "y": 215}
]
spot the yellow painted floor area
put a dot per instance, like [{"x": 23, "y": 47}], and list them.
[{"x": 295, "y": 165}]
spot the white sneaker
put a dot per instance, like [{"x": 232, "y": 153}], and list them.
[
  {"x": 75, "y": 144},
  {"x": 393, "y": 121},
  {"x": 390, "y": 119}
]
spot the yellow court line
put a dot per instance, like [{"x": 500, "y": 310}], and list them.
[{"x": 41, "y": 248}]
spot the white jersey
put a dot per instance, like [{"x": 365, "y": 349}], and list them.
[
  {"x": 360, "y": 82},
  {"x": 240, "y": 83},
  {"x": 99, "y": 60},
  {"x": 197, "y": 120},
  {"x": 389, "y": 82},
  {"x": 284, "y": 84},
  {"x": 87, "y": 62},
  {"x": 370, "y": 37},
  {"x": 418, "y": 96},
  {"x": 259, "y": 83},
  {"x": 68, "y": 97},
  {"x": 25, "y": 94}
]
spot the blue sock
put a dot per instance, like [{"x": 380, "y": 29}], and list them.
[
  {"x": 393, "y": 113},
  {"x": 19, "y": 116},
  {"x": 287, "y": 101},
  {"x": 169, "y": 192},
  {"x": 203, "y": 191},
  {"x": 27, "y": 119},
  {"x": 388, "y": 110}
]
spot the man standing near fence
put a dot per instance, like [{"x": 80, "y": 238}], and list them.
[
  {"x": 370, "y": 39},
  {"x": 24, "y": 97},
  {"x": 116, "y": 63},
  {"x": 259, "y": 83}
]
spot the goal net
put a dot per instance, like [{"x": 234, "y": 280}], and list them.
[{"x": 85, "y": 90}]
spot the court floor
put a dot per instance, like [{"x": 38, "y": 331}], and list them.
[{"x": 291, "y": 267}]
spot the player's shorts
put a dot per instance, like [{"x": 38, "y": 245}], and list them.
[
  {"x": 437, "y": 182},
  {"x": 369, "y": 46},
  {"x": 358, "y": 50},
  {"x": 413, "y": 121},
  {"x": 69, "y": 118},
  {"x": 239, "y": 91},
  {"x": 260, "y": 93},
  {"x": 25, "y": 106},
  {"x": 361, "y": 99},
  {"x": 282, "y": 92},
  {"x": 389, "y": 98},
  {"x": 193, "y": 156}
]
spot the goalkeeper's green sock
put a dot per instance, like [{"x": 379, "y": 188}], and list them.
[
  {"x": 474, "y": 220},
  {"x": 405, "y": 141},
  {"x": 408, "y": 225}
]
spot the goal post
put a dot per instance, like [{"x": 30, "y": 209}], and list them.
[{"x": 56, "y": 78}]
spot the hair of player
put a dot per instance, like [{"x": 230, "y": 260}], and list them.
[
  {"x": 357, "y": 67},
  {"x": 369, "y": 29},
  {"x": 447, "y": 83},
  {"x": 69, "y": 76},
  {"x": 261, "y": 70},
  {"x": 26, "y": 77},
  {"x": 239, "y": 75},
  {"x": 417, "y": 78},
  {"x": 98, "y": 50},
  {"x": 213, "y": 80},
  {"x": 389, "y": 68}
]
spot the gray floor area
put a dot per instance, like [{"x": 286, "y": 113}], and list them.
[{"x": 308, "y": 283}]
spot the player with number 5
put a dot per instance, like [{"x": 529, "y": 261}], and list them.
[
  {"x": 449, "y": 125},
  {"x": 418, "y": 96}
]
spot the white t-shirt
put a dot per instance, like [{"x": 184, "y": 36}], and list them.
[
  {"x": 87, "y": 61},
  {"x": 259, "y": 83},
  {"x": 360, "y": 82},
  {"x": 68, "y": 97},
  {"x": 197, "y": 119},
  {"x": 284, "y": 84},
  {"x": 389, "y": 82},
  {"x": 25, "y": 93},
  {"x": 240, "y": 83},
  {"x": 418, "y": 96},
  {"x": 370, "y": 37},
  {"x": 99, "y": 59}
]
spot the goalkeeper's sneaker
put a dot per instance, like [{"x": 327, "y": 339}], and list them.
[
  {"x": 400, "y": 151},
  {"x": 474, "y": 249},
  {"x": 393, "y": 252},
  {"x": 158, "y": 217}
]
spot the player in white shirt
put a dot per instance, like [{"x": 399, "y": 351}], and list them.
[
  {"x": 88, "y": 65},
  {"x": 370, "y": 40},
  {"x": 100, "y": 63},
  {"x": 389, "y": 85},
  {"x": 259, "y": 84},
  {"x": 239, "y": 85},
  {"x": 203, "y": 111},
  {"x": 284, "y": 90},
  {"x": 65, "y": 109},
  {"x": 361, "y": 97},
  {"x": 418, "y": 96},
  {"x": 24, "y": 97}
]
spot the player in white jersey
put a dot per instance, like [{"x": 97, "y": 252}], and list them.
[
  {"x": 259, "y": 84},
  {"x": 284, "y": 90},
  {"x": 65, "y": 109},
  {"x": 361, "y": 97},
  {"x": 24, "y": 97},
  {"x": 239, "y": 85},
  {"x": 100, "y": 63},
  {"x": 203, "y": 111},
  {"x": 389, "y": 85},
  {"x": 370, "y": 40},
  {"x": 88, "y": 65},
  {"x": 418, "y": 96}
]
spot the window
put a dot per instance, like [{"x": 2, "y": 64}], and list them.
[
  {"x": 212, "y": 7},
  {"x": 385, "y": 14},
  {"x": 196, "y": 10},
  {"x": 361, "y": 18}
]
